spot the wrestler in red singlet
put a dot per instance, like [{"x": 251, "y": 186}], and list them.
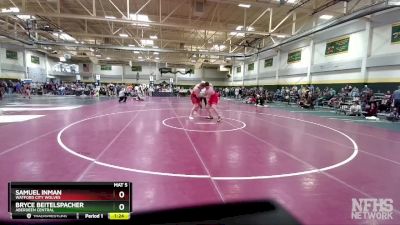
[
  {"x": 195, "y": 97},
  {"x": 212, "y": 99}
]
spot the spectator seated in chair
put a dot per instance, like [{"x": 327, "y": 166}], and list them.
[
  {"x": 386, "y": 102},
  {"x": 372, "y": 110},
  {"x": 355, "y": 109},
  {"x": 260, "y": 100},
  {"x": 306, "y": 100},
  {"x": 396, "y": 102},
  {"x": 269, "y": 97}
]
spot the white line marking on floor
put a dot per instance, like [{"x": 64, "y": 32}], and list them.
[
  {"x": 28, "y": 105},
  {"x": 27, "y": 142},
  {"x": 202, "y": 161},
  {"x": 115, "y": 166},
  {"x": 363, "y": 151},
  {"x": 107, "y": 147},
  {"x": 204, "y": 131},
  {"x": 17, "y": 118},
  {"x": 318, "y": 170},
  {"x": 205, "y": 123},
  {"x": 16, "y": 103},
  {"x": 303, "y": 111},
  {"x": 353, "y": 155},
  {"x": 32, "y": 140},
  {"x": 18, "y": 109},
  {"x": 340, "y": 119},
  {"x": 278, "y": 106},
  {"x": 334, "y": 116},
  {"x": 371, "y": 121}
]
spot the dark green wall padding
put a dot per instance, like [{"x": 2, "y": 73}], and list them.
[{"x": 376, "y": 87}]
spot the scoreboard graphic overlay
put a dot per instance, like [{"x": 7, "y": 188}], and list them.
[{"x": 70, "y": 200}]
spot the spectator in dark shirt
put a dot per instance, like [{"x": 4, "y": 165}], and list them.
[
  {"x": 386, "y": 102},
  {"x": 260, "y": 99},
  {"x": 372, "y": 110},
  {"x": 396, "y": 100},
  {"x": 3, "y": 87}
]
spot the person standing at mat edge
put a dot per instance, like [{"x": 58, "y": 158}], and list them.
[
  {"x": 396, "y": 101},
  {"x": 195, "y": 97},
  {"x": 27, "y": 90},
  {"x": 212, "y": 98},
  {"x": 122, "y": 95}
]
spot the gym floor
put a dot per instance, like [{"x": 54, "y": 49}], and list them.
[{"x": 312, "y": 165}]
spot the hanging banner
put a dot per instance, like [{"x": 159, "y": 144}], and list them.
[
  {"x": 11, "y": 54},
  {"x": 136, "y": 68},
  {"x": 250, "y": 67},
  {"x": 268, "y": 62},
  {"x": 78, "y": 77},
  {"x": 105, "y": 67},
  {"x": 395, "y": 34},
  {"x": 238, "y": 69},
  {"x": 35, "y": 59},
  {"x": 165, "y": 70},
  {"x": 337, "y": 46},
  {"x": 294, "y": 57}
]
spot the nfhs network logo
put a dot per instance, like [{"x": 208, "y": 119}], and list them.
[{"x": 372, "y": 208}]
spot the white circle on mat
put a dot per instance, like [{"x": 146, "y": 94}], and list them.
[
  {"x": 201, "y": 176},
  {"x": 164, "y": 122}
]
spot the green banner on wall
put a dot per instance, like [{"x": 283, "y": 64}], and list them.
[
  {"x": 165, "y": 70},
  {"x": 35, "y": 59},
  {"x": 294, "y": 56},
  {"x": 337, "y": 46},
  {"x": 250, "y": 67},
  {"x": 268, "y": 62},
  {"x": 136, "y": 68},
  {"x": 11, "y": 54},
  {"x": 105, "y": 67},
  {"x": 396, "y": 33}
]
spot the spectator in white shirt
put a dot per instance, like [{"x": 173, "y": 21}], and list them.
[
  {"x": 236, "y": 93},
  {"x": 355, "y": 109}
]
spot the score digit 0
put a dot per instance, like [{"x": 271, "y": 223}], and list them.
[{"x": 121, "y": 194}]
